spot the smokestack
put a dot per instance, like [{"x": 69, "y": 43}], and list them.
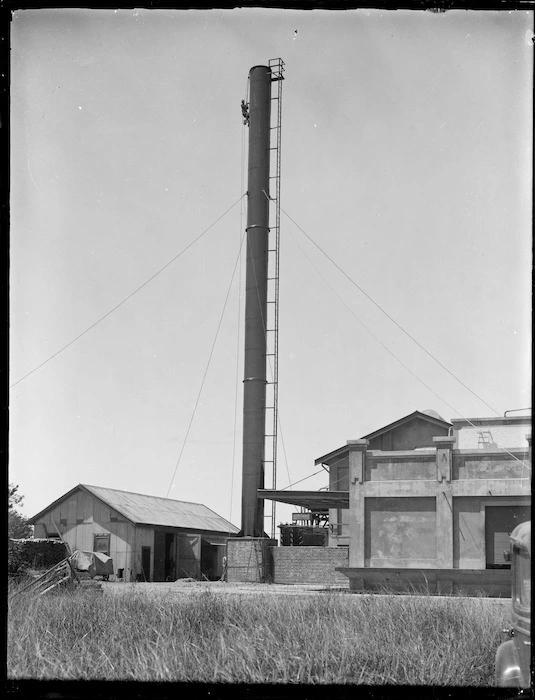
[{"x": 254, "y": 386}]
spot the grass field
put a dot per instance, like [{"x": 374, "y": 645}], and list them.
[{"x": 205, "y": 637}]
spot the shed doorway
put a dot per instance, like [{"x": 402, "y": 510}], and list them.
[
  {"x": 189, "y": 556},
  {"x": 170, "y": 559},
  {"x": 212, "y": 559},
  {"x": 164, "y": 556},
  {"x": 145, "y": 563}
]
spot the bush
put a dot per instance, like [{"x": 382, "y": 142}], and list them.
[
  {"x": 17, "y": 524},
  {"x": 27, "y": 554}
]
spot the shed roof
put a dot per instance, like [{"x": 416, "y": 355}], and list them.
[
  {"x": 141, "y": 509},
  {"x": 428, "y": 415}
]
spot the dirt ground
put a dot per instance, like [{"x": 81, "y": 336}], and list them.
[
  {"x": 189, "y": 587},
  {"x": 184, "y": 587}
]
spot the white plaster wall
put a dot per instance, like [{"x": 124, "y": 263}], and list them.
[{"x": 508, "y": 436}]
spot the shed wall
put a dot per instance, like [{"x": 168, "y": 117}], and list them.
[{"x": 79, "y": 518}]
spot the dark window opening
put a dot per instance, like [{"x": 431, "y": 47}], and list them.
[
  {"x": 145, "y": 565},
  {"x": 500, "y": 521},
  {"x": 101, "y": 543}
]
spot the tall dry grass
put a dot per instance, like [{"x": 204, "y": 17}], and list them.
[{"x": 205, "y": 637}]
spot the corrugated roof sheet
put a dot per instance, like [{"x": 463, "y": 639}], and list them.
[{"x": 152, "y": 510}]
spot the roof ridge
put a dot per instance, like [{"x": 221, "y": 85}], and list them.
[{"x": 145, "y": 495}]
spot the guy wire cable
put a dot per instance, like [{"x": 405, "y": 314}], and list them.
[
  {"x": 427, "y": 352},
  {"x": 207, "y": 364},
  {"x": 139, "y": 288},
  {"x": 406, "y": 333}
]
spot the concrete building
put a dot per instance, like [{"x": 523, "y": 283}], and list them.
[
  {"x": 424, "y": 502},
  {"x": 148, "y": 538},
  {"x": 411, "y": 434}
]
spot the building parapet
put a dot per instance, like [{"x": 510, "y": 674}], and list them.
[
  {"x": 493, "y": 420},
  {"x": 443, "y": 463}
]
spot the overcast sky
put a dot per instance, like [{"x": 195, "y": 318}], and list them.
[{"x": 406, "y": 156}]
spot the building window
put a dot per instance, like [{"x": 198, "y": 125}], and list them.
[{"x": 101, "y": 543}]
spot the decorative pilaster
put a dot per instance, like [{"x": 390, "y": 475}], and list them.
[
  {"x": 444, "y": 502},
  {"x": 444, "y": 446},
  {"x": 357, "y": 471}
]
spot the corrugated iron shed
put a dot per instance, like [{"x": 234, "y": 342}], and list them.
[{"x": 153, "y": 510}]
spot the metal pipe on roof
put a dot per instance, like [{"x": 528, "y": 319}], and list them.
[{"x": 254, "y": 385}]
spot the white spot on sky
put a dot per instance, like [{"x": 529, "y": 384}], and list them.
[
  {"x": 79, "y": 107},
  {"x": 292, "y": 356},
  {"x": 167, "y": 190}
]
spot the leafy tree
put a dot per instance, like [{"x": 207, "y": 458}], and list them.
[
  {"x": 17, "y": 525},
  {"x": 15, "y": 498}
]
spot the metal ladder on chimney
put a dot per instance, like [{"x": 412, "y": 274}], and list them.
[{"x": 277, "y": 76}]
